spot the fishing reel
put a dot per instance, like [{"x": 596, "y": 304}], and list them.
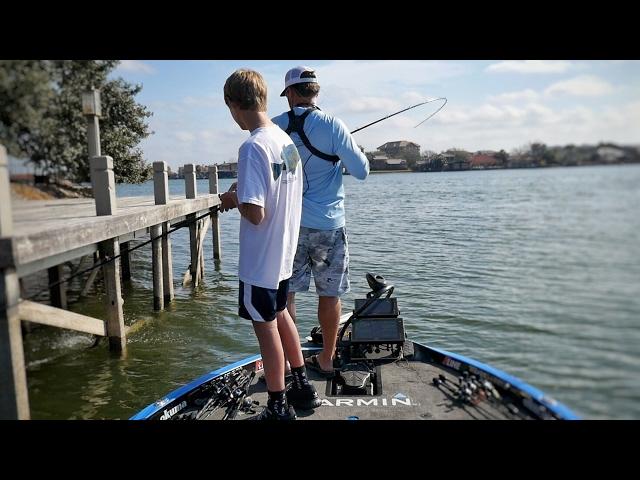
[
  {"x": 470, "y": 388},
  {"x": 473, "y": 390},
  {"x": 229, "y": 390}
]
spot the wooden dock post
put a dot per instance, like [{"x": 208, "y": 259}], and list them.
[
  {"x": 215, "y": 225},
  {"x": 203, "y": 226},
  {"x": 201, "y": 235},
  {"x": 14, "y": 398},
  {"x": 126, "y": 262},
  {"x": 105, "y": 197},
  {"x": 161, "y": 194},
  {"x": 192, "y": 192},
  {"x": 57, "y": 293},
  {"x": 92, "y": 110},
  {"x": 156, "y": 266}
]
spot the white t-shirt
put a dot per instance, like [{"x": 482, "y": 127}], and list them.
[{"x": 269, "y": 175}]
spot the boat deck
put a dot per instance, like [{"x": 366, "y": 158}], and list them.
[{"x": 407, "y": 394}]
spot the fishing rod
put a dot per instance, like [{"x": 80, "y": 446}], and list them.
[
  {"x": 239, "y": 400},
  {"x": 404, "y": 110},
  {"x": 461, "y": 393},
  {"x": 473, "y": 390},
  {"x": 225, "y": 391}
]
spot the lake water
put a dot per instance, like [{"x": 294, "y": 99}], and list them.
[{"x": 533, "y": 271}]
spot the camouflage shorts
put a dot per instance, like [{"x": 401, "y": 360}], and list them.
[{"x": 324, "y": 253}]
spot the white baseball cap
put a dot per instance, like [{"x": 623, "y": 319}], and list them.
[{"x": 299, "y": 75}]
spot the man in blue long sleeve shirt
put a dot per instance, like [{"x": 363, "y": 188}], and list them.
[{"x": 325, "y": 145}]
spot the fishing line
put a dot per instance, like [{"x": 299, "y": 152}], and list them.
[
  {"x": 177, "y": 226},
  {"x": 404, "y": 110}
]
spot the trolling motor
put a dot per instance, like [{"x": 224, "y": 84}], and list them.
[
  {"x": 373, "y": 334},
  {"x": 383, "y": 310},
  {"x": 375, "y": 321}
]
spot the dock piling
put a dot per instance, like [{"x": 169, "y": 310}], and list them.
[
  {"x": 58, "y": 291},
  {"x": 105, "y": 197},
  {"x": 14, "y": 398},
  {"x": 156, "y": 267},
  {"x": 191, "y": 193},
  {"x": 215, "y": 225},
  {"x": 161, "y": 194},
  {"x": 126, "y": 261}
]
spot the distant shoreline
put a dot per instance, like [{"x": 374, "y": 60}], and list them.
[{"x": 473, "y": 169}]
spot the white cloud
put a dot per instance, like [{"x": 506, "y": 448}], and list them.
[
  {"x": 361, "y": 92},
  {"x": 583, "y": 85},
  {"x": 495, "y": 127},
  {"x": 207, "y": 134},
  {"x": 507, "y": 97},
  {"x": 529, "y": 66},
  {"x": 491, "y": 115},
  {"x": 625, "y": 118},
  {"x": 369, "y": 75},
  {"x": 370, "y": 104},
  {"x": 413, "y": 98},
  {"x": 346, "y": 82},
  {"x": 185, "y": 136},
  {"x": 542, "y": 113},
  {"x": 199, "y": 129},
  {"x": 135, "y": 66},
  {"x": 204, "y": 147},
  {"x": 511, "y": 127}
]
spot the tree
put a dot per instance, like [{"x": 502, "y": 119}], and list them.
[
  {"x": 428, "y": 154},
  {"x": 25, "y": 93},
  {"x": 41, "y": 117},
  {"x": 124, "y": 129},
  {"x": 541, "y": 155},
  {"x": 503, "y": 158},
  {"x": 459, "y": 155}
]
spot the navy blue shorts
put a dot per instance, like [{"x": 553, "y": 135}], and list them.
[{"x": 261, "y": 304}]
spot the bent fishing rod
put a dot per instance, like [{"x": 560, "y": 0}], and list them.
[{"x": 404, "y": 110}]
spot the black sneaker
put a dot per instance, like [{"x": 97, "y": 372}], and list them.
[
  {"x": 305, "y": 398},
  {"x": 268, "y": 414}
]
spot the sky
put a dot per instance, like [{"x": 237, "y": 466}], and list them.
[{"x": 491, "y": 105}]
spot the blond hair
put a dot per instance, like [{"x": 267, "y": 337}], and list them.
[{"x": 247, "y": 89}]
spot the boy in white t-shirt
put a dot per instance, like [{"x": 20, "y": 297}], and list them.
[{"x": 269, "y": 199}]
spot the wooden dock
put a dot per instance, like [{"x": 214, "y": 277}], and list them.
[
  {"x": 50, "y": 232},
  {"x": 43, "y": 235}
]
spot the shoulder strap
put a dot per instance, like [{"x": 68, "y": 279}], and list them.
[{"x": 296, "y": 124}]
